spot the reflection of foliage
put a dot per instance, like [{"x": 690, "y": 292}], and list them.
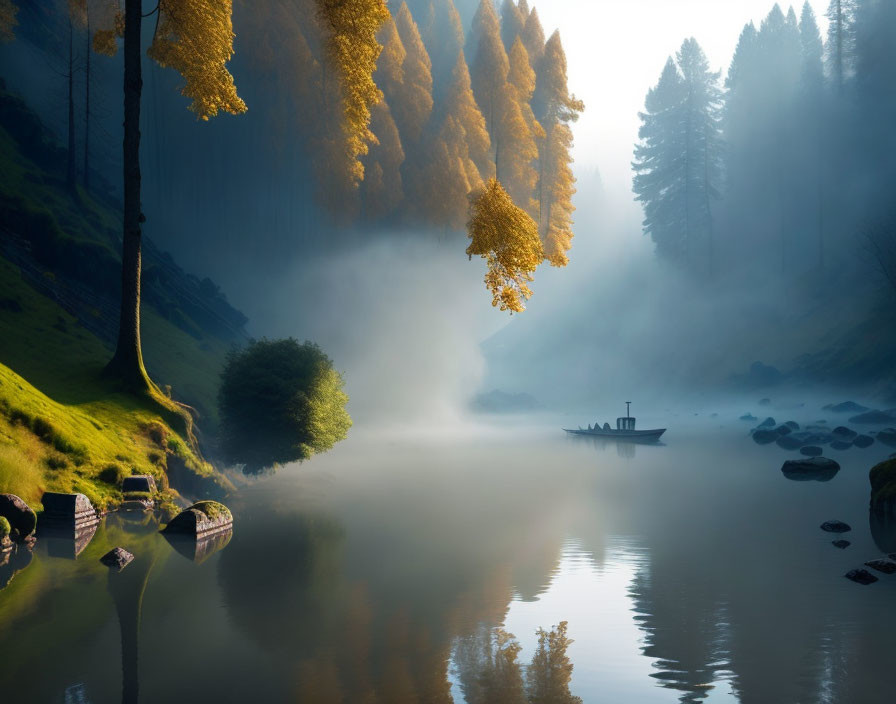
[
  {"x": 490, "y": 674},
  {"x": 280, "y": 401}
]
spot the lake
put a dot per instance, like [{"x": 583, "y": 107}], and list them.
[{"x": 419, "y": 567}]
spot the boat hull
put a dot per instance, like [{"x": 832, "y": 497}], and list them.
[{"x": 626, "y": 435}]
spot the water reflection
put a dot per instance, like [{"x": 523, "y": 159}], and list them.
[{"x": 67, "y": 545}]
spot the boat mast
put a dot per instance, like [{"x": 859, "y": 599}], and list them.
[{"x": 627, "y": 404}]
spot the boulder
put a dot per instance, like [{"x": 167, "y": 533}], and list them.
[
  {"x": 861, "y": 577},
  {"x": 843, "y": 433},
  {"x": 873, "y": 418},
  {"x": 885, "y": 565},
  {"x": 139, "y": 482},
  {"x": 819, "y": 469},
  {"x": 783, "y": 430},
  {"x": 202, "y": 519},
  {"x": 883, "y": 487},
  {"x": 764, "y": 437},
  {"x": 788, "y": 442},
  {"x": 841, "y": 445},
  {"x": 863, "y": 441},
  {"x": 793, "y": 425},
  {"x": 21, "y": 518},
  {"x": 67, "y": 512},
  {"x": 835, "y": 527},
  {"x": 117, "y": 558},
  {"x": 846, "y": 407},
  {"x": 811, "y": 450},
  {"x": 768, "y": 423},
  {"x": 888, "y": 437},
  {"x": 842, "y": 544},
  {"x": 749, "y": 417}
]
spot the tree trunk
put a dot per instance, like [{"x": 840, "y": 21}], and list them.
[
  {"x": 87, "y": 108},
  {"x": 127, "y": 364},
  {"x": 70, "y": 172}
]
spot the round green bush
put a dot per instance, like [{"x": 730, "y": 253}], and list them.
[
  {"x": 113, "y": 474},
  {"x": 280, "y": 401}
]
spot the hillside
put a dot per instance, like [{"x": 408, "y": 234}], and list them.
[{"x": 61, "y": 426}]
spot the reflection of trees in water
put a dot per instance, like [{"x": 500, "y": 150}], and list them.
[{"x": 489, "y": 672}]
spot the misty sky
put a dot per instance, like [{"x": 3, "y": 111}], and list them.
[{"x": 616, "y": 50}]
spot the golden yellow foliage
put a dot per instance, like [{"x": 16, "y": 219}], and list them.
[
  {"x": 450, "y": 175},
  {"x": 461, "y": 106},
  {"x": 489, "y": 73},
  {"x": 195, "y": 38},
  {"x": 390, "y": 65},
  {"x": 533, "y": 37},
  {"x": 557, "y": 108},
  {"x": 77, "y": 11},
  {"x": 512, "y": 20},
  {"x": 517, "y": 131},
  {"x": 382, "y": 192},
  {"x": 110, "y": 23},
  {"x": 414, "y": 107},
  {"x": 507, "y": 238},
  {"x": 560, "y": 187},
  {"x": 8, "y": 21},
  {"x": 351, "y": 46}
]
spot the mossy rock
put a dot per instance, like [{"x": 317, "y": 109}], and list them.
[
  {"x": 21, "y": 517},
  {"x": 883, "y": 486},
  {"x": 202, "y": 519},
  {"x": 5, "y": 528}
]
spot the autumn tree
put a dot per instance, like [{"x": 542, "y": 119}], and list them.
[
  {"x": 516, "y": 133},
  {"x": 556, "y": 109},
  {"x": 414, "y": 105},
  {"x": 8, "y": 21},
  {"x": 507, "y": 238},
  {"x": 382, "y": 190},
  {"x": 512, "y": 22},
  {"x": 533, "y": 37},
  {"x": 443, "y": 36},
  {"x": 196, "y": 39},
  {"x": 460, "y": 104},
  {"x": 549, "y": 674},
  {"x": 389, "y": 74}
]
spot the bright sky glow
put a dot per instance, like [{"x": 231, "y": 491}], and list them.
[{"x": 616, "y": 50}]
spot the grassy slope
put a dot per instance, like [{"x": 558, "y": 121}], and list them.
[{"x": 50, "y": 371}]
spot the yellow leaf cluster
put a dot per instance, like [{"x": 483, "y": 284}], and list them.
[
  {"x": 110, "y": 20},
  {"x": 560, "y": 183},
  {"x": 77, "y": 11},
  {"x": 195, "y": 37},
  {"x": 507, "y": 238},
  {"x": 352, "y": 51},
  {"x": 8, "y": 21},
  {"x": 412, "y": 111}
]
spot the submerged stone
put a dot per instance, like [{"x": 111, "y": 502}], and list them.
[
  {"x": 863, "y": 441},
  {"x": 117, "y": 558},
  {"x": 819, "y": 469},
  {"x": 768, "y": 423},
  {"x": 841, "y": 445},
  {"x": 846, "y": 407},
  {"x": 873, "y": 418},
  {"x": 788, "y": 442},
  {"x": 842, "y": 544},
  {"x": 887, "y": 437},
  {"x": 67, "y": 512},
  {"x": 884, "y": 565},
  {"x": 793, "y": 425},
  {"x": 748, "y": 416},
  {"x": 843, "y": 433},
  {"x": 861, "y": 577},
  {"x": 835, "y": 527},
  {"x": 21, "y": 517},
  {"x": 202, "y": 519},
  {"x": 764, "y": 437}
]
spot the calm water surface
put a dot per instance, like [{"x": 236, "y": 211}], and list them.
[{"x": 389, "y": 570}]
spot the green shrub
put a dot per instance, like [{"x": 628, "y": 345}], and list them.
[
  {"x": 113, "y": 474},
  {"x": 5, "y": 528},
  {"x": 137, "y": 496},
  {"x": 280, "y": 401},
  {"x": 56, "y": 462}
]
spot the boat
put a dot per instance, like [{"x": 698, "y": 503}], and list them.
[{"x": 624, "y": 430}]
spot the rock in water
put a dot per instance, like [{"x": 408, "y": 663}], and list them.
[
  {"x": 202, "y": 519},
  {"x": 843, "y": 433},
  {"x": 861, "y": 577},
  {"x": 842, "y": 544},
  {"x": 886, "y": 566},
  {"x": 748, "y": 416},
  {"x": 788, "y": 442},
  {"x": 887, "y": 437},
  {"x": 811, "y": 451},
  {"x": 765, "y": 402},
  {"x": 841, "y": 445},
  {"x": 21, "y": 518},
  {"x": 873, "y": 418},
  {"x": 835, "y": 527},
  {"x": 863, "y": 441},
  {"x": 117, "y": 558},
  {"x": 768, "y": 423},
  {"x": 819, "y": 469},
  {"x": 793, "y": 425},
  {"x": 764, "y": 437},
  {"x": 784, "y": 430},
  {"x": 846, "y": 407},
  {"x": 883, "y": 487}
]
